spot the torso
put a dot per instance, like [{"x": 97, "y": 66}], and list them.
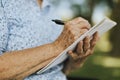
[{"x": 29, "y": 26}]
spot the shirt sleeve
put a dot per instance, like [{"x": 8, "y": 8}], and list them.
[{"x": 3, "y": 30}]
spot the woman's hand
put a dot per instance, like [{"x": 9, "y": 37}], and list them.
[
  {"x": 77, "y": 57},
  {"x": 72, "y": 30},
  {"x": 84, "y": 48}
]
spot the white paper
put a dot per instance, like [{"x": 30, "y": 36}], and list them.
[{"x": 102, "y": 27}]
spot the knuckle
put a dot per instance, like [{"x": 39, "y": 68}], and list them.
[
  {"x": 79, "y": 18},
  {"x": 67, "y": 24},
  {"x": 81, "y": 42},
  {"x": 83, "y": 19},
  {"x": 86, "y": 23},
  {"x": 90, "y": 52},
  {"x": 86, "y": 39},
  {"x": 94, "y": 43}
]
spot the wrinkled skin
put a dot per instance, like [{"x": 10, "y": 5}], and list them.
[{"x": 73, "y": 30}]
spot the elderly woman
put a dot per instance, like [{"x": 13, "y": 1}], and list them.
[{"x": 29, "y": 41}]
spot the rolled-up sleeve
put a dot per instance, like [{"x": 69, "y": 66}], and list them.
[{"x": 3, "y": 30}]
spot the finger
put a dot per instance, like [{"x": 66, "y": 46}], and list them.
[
  {"x": 80, "y": 32},
  {"x": 83, "y": 31},
  {"x": 83, "y": 57},
  {"x": 74, "y": 56},
  {"x": 94, "y": 40},
  {"x": 79, "y": 49},
  {"x": 86, "y": 43},
  {"x": 77, "y": 20},
  {"x": 88, "y": 52},
  {"x": 83, "y": 25}
]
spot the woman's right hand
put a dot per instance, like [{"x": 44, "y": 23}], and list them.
[{"x": 72, "y": 30}]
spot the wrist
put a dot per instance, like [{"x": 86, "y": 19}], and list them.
[
  {"x": 58, "y": 48},
  {"x": 64, "y": 41}
]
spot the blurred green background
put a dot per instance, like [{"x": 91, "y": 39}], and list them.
[{"x": 105, "y": 63}]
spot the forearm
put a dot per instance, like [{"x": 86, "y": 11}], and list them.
[
  {"x": 15, "y": 63},
  {"x": 34, "y": 69}
]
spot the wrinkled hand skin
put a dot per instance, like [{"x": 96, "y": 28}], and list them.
[
  {"x": 73, "y": 30},
  {"x": 77, "y": 57}
]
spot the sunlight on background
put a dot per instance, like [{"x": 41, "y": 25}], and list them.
[
  {"x": 107, "y": 61},
  {"x": 104, "y": 44},
  {"x": 100, "y": 12},
  {"x": 64, "y": 9}
]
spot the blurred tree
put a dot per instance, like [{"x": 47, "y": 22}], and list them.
[
  {"x": 85, "y": 10},
  {"x": 115, "y": 32}
]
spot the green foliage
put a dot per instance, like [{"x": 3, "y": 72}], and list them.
[{"x": 98, "y": 69}]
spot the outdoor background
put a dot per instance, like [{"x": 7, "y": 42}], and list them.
[{"x": 105, "y": 63}]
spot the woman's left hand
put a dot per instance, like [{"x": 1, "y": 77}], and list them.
[{"x": 77, "y": 57}]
